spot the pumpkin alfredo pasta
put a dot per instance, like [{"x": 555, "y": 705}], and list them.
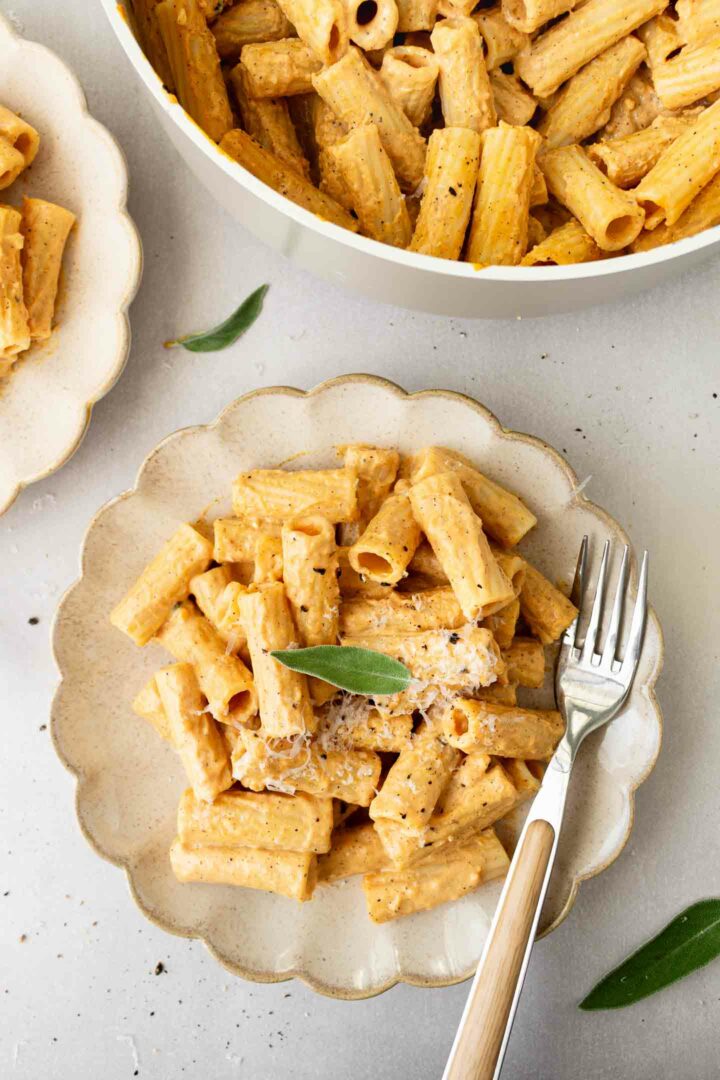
[
  {"x": 516, "y": 133},
  {"x": 350, "y": 658}
]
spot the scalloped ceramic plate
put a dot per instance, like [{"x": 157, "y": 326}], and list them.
[
  {"x": 129, "y": 781},
  {"x": 45, "y": 404}
]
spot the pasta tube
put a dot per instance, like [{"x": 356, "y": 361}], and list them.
[
  {"x": 349, "y": 775},
  {"x": 151, "y": 39},
  {"x": 451, "y": 170},
  {"x": 237, "y": 542},
  {"x": 22, "y": 138},
  {"x": 392, "y": 893},
  {"x": 356, "y": 850},
  {"x": 224, "y": 680},
  {"x": 245, "y": 819},
  {"x": 502, "y": 695},
  {"x": 363, "y": 728},
  {"x": 426, "y": 566},
  {"x": 502, "y": 625},
  {"x": 584, "y": 104},
  {"x": 504, "y": 516},
  {"x": 465, "y": 92},
  {"x": 357, "y": 96},
  {"x": 289, "y": 873},
  {"x": 415, "y": 782},
  {"x": 529, "y": 15},
  {"x": 587, "y": 31},
  {"x": 502, "y": 730},
  {"x": 148, "y": 704},
  {"x": 698, "y": 20},
  {"x": 456, "y": 658},
  {"x": 275, "y": 495},
  {"x": 475, "y": 797},
  {"x": 45, "y": 228},
  {"x": 410, "y": 75},
  {"x": 607, "y": 213},
  {"x": 513, "y": 103},
  {"x": 376, "y": 470},
  {"x": 478, "y": 794},
  {"x": 626, "y": 160},
  {"x": 321, "y": 24},
  {"x": 414, "y": 15},
  {"x": 194, "y": 733},
  {"x": 247, "y": 23},
  {"x": 354, "y": 584},
  {"x": 283, "y": 696},
  {"x": 210, "y": 592},
  {"x": 398, "y": 613},
  {"x": 538, "y": 192},
  {"x": 326, "y": 131},
  {"x": 702, "y": 213},
  {"x": 14, "y": 328},
  {"x": 525, "y": 659},
  {"x": 281, "y": 178},
  {"x": 524, "y": 781},
  {"x": 388, "y": 543},
  {"x": 267, "y": 120},
  {"x": 565, "y": 245},
  {"x": 368, "y": 175},
  {"x": 503, "y": 41},
  {"x": 443, "y": 511},
  {"x": 268, "y": 560},
  {"x": 544, "y": 608},
  {"x": 275, "y": 69},
  {"x": 693, "y": 74},
  {"x": 162, "y": 584},
  {"x": 12, "y": 163},
  {"x": 195, "y": 65},
  {"x": 376, "y": 31},
  {"x": 310, "y": 564},
  {"x": 499, "y": 227},
  {"x": 671, "y": 185}
]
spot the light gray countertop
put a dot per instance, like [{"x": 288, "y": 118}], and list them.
[{"x": 629, "y": 393}]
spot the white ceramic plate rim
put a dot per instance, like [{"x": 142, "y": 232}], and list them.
[
  {"x": 332, "y": 989},
  {"x": 444, "y": 267},
  {"x": 37, "y": 53}
]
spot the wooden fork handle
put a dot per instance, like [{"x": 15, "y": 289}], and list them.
[{"x": 480, "y": 1039}]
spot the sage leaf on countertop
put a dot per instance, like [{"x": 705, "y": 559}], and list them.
[
  {"x": 227, "y": 332},
  {"x": 687, "y": 943},
  {"x": 360, "y": 671}
]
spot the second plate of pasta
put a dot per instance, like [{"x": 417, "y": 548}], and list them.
[{"x": 236, "y": 563}]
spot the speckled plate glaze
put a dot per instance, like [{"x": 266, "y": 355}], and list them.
[
  {"x": 45, "y": 404},
  {"x": 129, "y": 781}
]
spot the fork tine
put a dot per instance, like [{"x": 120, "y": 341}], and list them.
[
  {"x": 637, "y": 626},
  {"x": 578, "y": 590},
  {"x": 592, "y": 630},
  {"x": 608, "y": 654}
]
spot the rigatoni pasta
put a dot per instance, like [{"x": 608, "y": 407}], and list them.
[
  {"x": 32, "y": 244},
  {"x": 291, "y": 782},
  {"x": 373, "y": 191},
  {"x": 499, "y": 226},
  {"x": 318, "y": 83},
  {"x": 606, "y": 212},
  {"x": 195, "y": 65},
  {"x": 465, "y": 93}
]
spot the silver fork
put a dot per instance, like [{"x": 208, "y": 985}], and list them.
[{"x": 591, "y": 688}]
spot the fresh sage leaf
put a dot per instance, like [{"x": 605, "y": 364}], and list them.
[
  {"x": 227, "y": 332},
  {"x": 360, "y": 671},
  {"x": 687, "y": 943}
]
